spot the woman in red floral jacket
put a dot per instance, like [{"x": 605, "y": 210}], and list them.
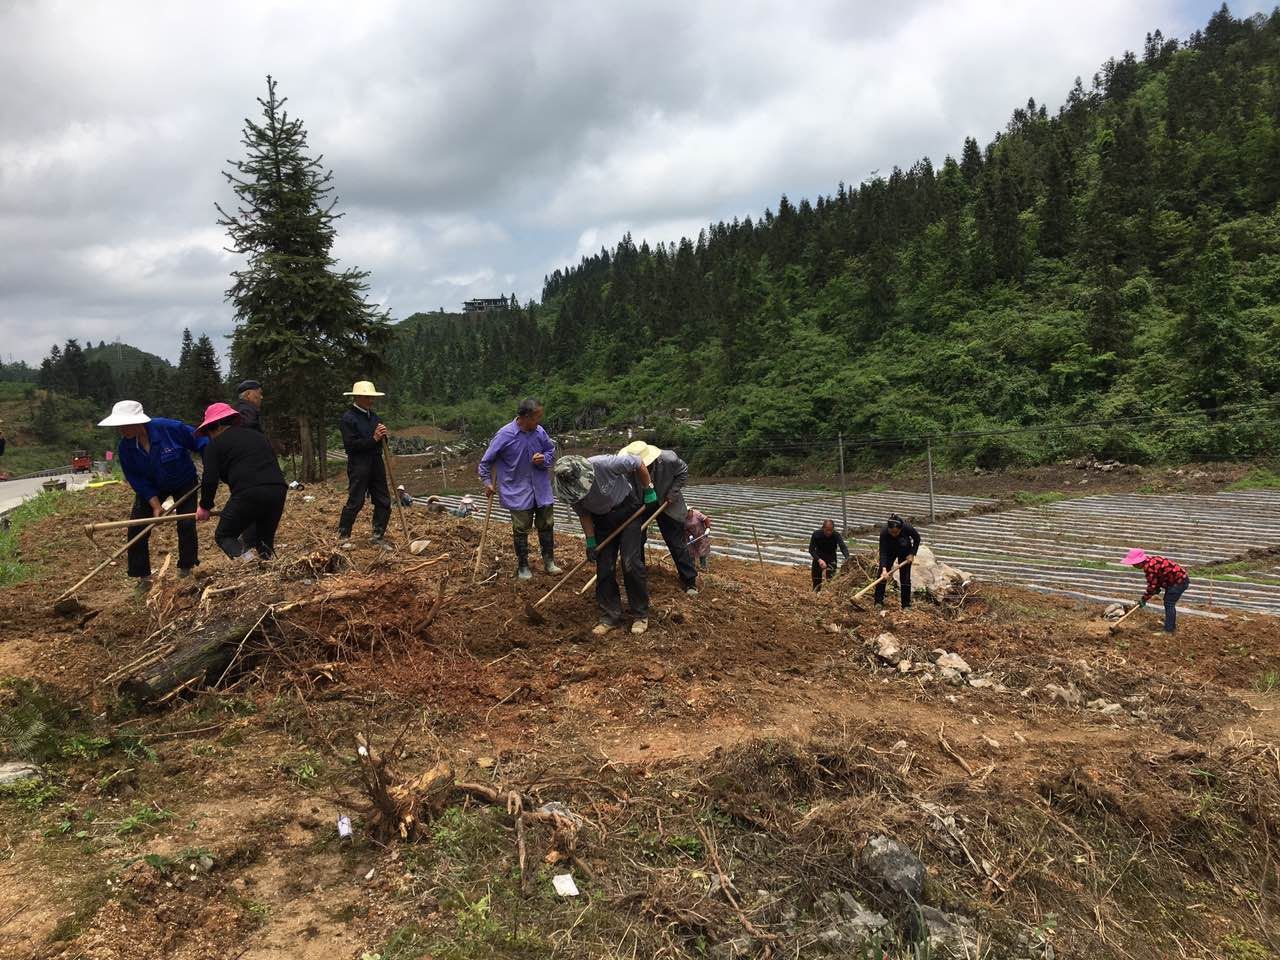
[{"x": 1162, "y": 574}]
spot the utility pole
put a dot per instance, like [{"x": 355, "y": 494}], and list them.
[
  {"x": 928, "y": 451},
  {"x": 844, "y": 505}
]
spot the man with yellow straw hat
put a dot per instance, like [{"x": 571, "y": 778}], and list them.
[
  {"x": 669, "y": 474},
  {"x": 363, "y": 434}
]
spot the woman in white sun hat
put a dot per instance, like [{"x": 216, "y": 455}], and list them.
[
  {"x": 155, "y": 455},
  {"x": 363, "y": 434}
]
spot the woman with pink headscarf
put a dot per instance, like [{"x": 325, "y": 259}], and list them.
[{"x": 1163, "y": 575}]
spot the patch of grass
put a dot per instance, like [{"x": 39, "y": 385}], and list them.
[
  {"x": 1236, "y": 947},
  {"x": 1092, "y": 564},
  {"x": 1268, "y": 682},
  {"x": 304, "y": 769},
  {"x": 30, "y": 794},
  {"x": 141, "y": 816},
  {"x": 1027, "y": 498},
  {"x": 12, "y": 569},
  {"x": 1259, "y": 478},
  {"x": 405, "y": 943}
]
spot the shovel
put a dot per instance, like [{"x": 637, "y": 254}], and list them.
[
  {"x": 395, "y": 494},
  {"x": 531, "y": 609},
  {"x": 1123, "y": 617},
  {"x": 484, "y": 536},
  {"x": 880, "y": 579},
  {"x": 63, "y": 605},
  {"x": 91, "y": 528}
]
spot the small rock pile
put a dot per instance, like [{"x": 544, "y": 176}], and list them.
[{"x": 939, "y": 664}]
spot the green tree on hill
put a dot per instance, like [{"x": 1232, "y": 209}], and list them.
[{"x": 303, "y": 325}]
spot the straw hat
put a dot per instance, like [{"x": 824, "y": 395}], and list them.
[
  {"x": 572, "y": 476},
  {"x": 363, "y": 388},
  {"x": 215, "y": 413},
  {"x": 124, "y": 414},
  {"x": 1134, "y": 557},
  {"x": 647, "y": 452}
]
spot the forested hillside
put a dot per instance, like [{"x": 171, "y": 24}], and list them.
[{"x": 1117, "y": 259}]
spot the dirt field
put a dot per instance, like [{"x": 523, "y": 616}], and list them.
[{"x": 1077, "y": 794}]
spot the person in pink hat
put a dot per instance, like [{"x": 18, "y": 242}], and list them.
[
  {"x": 1162, "y": 574},
  {"x": 244, "y": 460}
]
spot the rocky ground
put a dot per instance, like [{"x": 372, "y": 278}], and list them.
[{"x": 766, "y": 772}]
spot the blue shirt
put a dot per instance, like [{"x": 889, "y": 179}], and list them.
[
  {"x": 166, "y": 468},
  {"x": 522, "y": 484}
]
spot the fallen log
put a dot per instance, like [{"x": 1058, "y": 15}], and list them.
[
  {"x": 201, "y": 657},
  {"x": 206, "y": 655}
]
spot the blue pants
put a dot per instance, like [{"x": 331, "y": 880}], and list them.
[{"x": 1171, "y": 596}]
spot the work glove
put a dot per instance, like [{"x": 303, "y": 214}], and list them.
[
  {"x": 1142, "y": 602},
  {"x": 591, "y": 549},
  {"x": 651, "y": 496}
]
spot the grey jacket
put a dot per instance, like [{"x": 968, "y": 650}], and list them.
[{"x": 669, "y": 475}]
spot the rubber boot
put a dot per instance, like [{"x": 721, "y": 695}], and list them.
[
  {"x": 547, "y": 542},
  {"x": 522, "y": 556}
]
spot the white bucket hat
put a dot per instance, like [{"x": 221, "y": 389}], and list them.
[
  {"x": 125, "y": 413},
  {"x": 363, "y": 388}
]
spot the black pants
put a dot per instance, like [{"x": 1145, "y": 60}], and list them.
[
  {"x": 816, "y": 571},
  {"x": 673, "y": 535},
  {"x": 139, "y": 564},
  {"x": 366, "y": 477},
  {"x": 630, "y": 544},
  {"x": 904, "y": 580},
  {"x": 249, "y": 520}
]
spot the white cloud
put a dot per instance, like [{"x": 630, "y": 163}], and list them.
[{"x": 476, "y": 148}]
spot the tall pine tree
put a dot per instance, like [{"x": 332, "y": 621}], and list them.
[{"x": 302, "y": 324}]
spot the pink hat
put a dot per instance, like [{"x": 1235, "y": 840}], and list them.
[
  {"x": 216, "y": 413},
  {"x": 1134, "y": 557}
]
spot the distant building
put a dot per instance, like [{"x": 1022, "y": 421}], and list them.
[{"x": 485, "y": 304}]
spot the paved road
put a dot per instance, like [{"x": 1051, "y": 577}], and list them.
[{"x": 14, "y": 492}]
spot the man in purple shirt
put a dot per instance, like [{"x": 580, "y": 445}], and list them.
[{"x": 523, "y": 453}]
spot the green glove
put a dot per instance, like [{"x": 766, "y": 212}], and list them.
[
  {"x": 651, "y": 496},
  {"x": 1142, "y": 602},
  {"x": 591, "y": 543}
]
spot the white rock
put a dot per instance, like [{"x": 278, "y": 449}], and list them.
[
  {"x": 1068, "y": 694},
  {"x": 887, "y": 647},
  {"x": 953, "y": 661},
  {"x": 15, "y": 771},
  {"x": 934, "y": 577}
]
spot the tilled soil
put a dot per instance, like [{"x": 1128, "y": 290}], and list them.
[{"x": 754, "y": 717}]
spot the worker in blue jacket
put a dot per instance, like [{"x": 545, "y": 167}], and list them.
[{"x": 155, "y": 455}]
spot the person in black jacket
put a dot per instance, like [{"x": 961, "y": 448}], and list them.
[
  {"x": 899, "y": 542},
  {"x": 822, "y": 547},
  {"x": 362, "y": 437},
  {"x": 249, "y": 405},
  {"x": 243, "y": 460}
]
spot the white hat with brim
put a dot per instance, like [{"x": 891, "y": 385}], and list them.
[
  {"x": 125, "y": 413},
  {"x": 647, "y": 452},
  {"x": 363, "y": 388}
]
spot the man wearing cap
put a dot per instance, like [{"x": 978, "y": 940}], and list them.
[
  {"x": 1162, "y": 574},
  {"x": 899, "y": 542},
  {"x": 523, "y": 455},
  {"x": 669, "y": 474},
  {"x": 249, "y": 405},
  {"x": 362, "y": 437},
  {"x": 600, "y": 492},
  {"x": 243, "y": 459},
  {"x": 155, "y": 455}
]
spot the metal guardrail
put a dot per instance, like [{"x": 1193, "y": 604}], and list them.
[{"x": 51, "y": 472}]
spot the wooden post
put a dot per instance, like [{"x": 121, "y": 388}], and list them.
[
  {"x": 395, "y": 494},
  {"x": 444, "y": 481},
  {"x": 759, "y": 555},
  {"x": 844, "y": 506},
  {"x": 928, "y": 452}
]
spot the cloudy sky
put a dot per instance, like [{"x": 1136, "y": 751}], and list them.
[{"x": 477, "y": 146}]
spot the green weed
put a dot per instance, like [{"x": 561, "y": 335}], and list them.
[
  {"x": 1236, "y": 947},
  {"x": 1259, "y": 478},
  {"x": 30, "y": 794},
  {"x": 12, "y": 568},
  {"x": 1268, "y": 682},
  {"x": 141, "y": 816}
]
